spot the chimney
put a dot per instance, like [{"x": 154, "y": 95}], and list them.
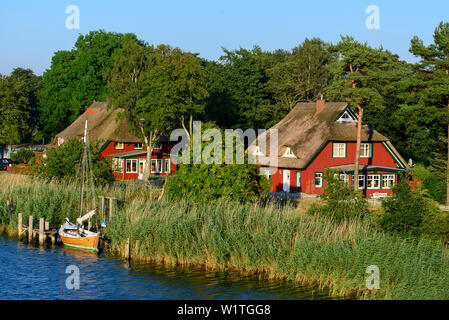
[{"x": 320, "y": 105}]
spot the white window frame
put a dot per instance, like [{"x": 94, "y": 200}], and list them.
[
  {"x": 265, "y": 172},
  {"x": 361, "y": 179},
  {"x": 298, "y": 175},
  {"x": 374, "y": 176},
  {"x": 157, "y": 147},
  {"x": 131, "y": 166},
  {"x": 288, "y": 153},
  {"x": 117, "y": 164},
  {"x": 60, "y": 141},
  {"x": 167, "y": 166},
  {"x": 370, "y": 150},
  {"x": 348, "y": 119},
  {"x": 342, "y": 177},
  {"x": 257, "y": 151},
  {"x": 338, "y": 146},
  {"x": 393, "y": 176},
  {"x": 160, "y": 165},
  {"x": 318, "y": 175},
  {"x": 138, "y": 143},
  {"x": 116, "y": 145}
]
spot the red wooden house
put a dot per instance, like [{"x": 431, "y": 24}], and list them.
[
  {"x": 127, "y": 152},
  {"x": 316, "y": 136}
]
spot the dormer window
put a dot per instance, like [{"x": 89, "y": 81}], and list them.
[
  {"x": 257, "y": 151},
  {"x": 347, "y": 115},
  {"x": 289, "y": 154}
]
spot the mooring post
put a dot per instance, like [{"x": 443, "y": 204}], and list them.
[
  {"x": 102, "y": 206},
  {"x": 136, "y": 249},
  {"x": 30, "y": 228},
  {"x": 19, "y": 225},
  {"x": 41, "y": 231},
  {"x": 111, "y": 207},
  {"x": 127, "y": 250},
  {"x": 47, "y": 225}
]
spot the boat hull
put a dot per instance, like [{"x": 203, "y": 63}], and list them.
[{"x": 83, "y": 243}]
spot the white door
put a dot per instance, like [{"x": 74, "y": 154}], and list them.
[
  {"x": 286, "y": 182},
  {"x": 141, "y": 168}
]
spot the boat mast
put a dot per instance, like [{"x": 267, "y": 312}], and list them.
[{"x": 82, "y": 171}]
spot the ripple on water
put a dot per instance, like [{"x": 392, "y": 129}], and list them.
[{"x": 28, "y": 272}]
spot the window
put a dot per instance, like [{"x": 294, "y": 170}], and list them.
[
  {"x": 157, "y": 147},
  {"x": 365, "y": 150},
  {"x": 318, "y": 179},
  {"x": 345, "y": 117},
  {"x": 388, "y": 181},
  {"x": 265, "y": 172},
  {"x": 60, "y": 141},
  {"x": 138, "y": 146},
  {"x": 257, "y": 151},
  {"x": 167, "y": 165},
  {"x": 342, "y": 177},
  {"x": 361, "y": 181},
  {"x": 338, "y": 150},
  {"x": 131, "y": 166},
  {"x": 373, "y": 181},
  {"x": 289, "y": 154},
  {"x": 156, "y": 165},
  {"x": 117, "y": 164},
  {"x": 119, "y": 145},
  {"x": 298, "y": 179}
]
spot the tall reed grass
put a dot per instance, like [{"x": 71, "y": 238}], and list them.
[{"x": 270, "y": 241}]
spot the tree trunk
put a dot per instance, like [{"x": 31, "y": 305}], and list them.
[{"x": 357, "y": 149}]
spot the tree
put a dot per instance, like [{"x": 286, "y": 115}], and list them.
[
  {"x": 75, "y": 78},
  {"x": 359, "y": 74},
  {"x": 157, "y": 88},
  {"x": 435, "y": 64},
  {"x": 302, "y": 76}
]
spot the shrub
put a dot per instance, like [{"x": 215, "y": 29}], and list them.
[
  {"x": 435, "y": 186},
  {"x": 205, "y": 182},
  {"x": 412, "y": 212},
  {"x": 63, "y": 163},
  {"x": 341, "y": 202},
  {"x": 23, "y": 156}
]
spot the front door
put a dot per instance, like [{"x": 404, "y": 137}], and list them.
[
  {"x": 141, "y": 168},
  {"x": 286, "y": 182}
]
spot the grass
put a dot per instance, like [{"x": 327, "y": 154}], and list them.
[{"x": 270, "y": 241}]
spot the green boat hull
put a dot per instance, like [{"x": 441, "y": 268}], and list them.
[{"x": 80, "y": 247}]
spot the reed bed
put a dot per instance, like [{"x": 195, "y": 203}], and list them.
[{"x": 269, "y": 241}]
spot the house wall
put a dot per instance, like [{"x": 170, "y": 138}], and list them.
[{"x": 380, "y": 157}]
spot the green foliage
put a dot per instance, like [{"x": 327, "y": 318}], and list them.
[
  {"x": 341, "y": 202},
  {"x": 23, "y": 156},
  {"x": 206, "y": 182},
  {"x": 63, "y": 163},
  {"x": 413, "y": 213},
  {"x": 75, "y": 78},
  {"x": 435, "y": 186}
]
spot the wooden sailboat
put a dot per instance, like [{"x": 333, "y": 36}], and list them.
[{"x": 74, "y": 235}]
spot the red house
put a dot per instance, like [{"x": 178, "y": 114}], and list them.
[
  {"x": 127, "y": 152},
  {"x": 317, "y": 136}
]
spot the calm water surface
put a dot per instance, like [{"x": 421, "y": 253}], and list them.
[{"x": 29, "y": 272}]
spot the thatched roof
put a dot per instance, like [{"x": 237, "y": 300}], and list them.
[
  {"x": 306, "y": 132},
  {"x": 105, "y": 125}
]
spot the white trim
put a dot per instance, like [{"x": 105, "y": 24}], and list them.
[
  {"x": 131, "y": 161},
  {"x": 257, "y": 151},
  {"x": 320, "y": 176},
  {"x": 339, "y": 149},
  {"x": 367, "y": 181},
  {"x": 288, "y": 153},
  {"x": 345, "y": 117}
]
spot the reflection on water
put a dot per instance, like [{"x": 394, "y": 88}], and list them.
[{"x": 28, "y": 272}]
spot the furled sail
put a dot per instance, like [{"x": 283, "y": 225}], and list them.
[{"x": 85, "y": 217}]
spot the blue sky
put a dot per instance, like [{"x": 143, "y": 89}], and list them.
[{"x": 31, "y": 31}]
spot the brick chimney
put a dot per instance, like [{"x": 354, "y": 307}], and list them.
[{"x": 320, "y": 105}]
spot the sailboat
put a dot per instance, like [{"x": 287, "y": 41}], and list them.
[{"x": 75, "y": 235}]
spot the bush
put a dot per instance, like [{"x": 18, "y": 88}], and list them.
[
  {"x": 413, "y": 212},
  {"x": 23, "y": 156},
  {"x": 63, "y": 163},
  {"x": 205, "y": 182},
  {"x": 435, "y": 186},
  {"x": 341, "y": 202}
]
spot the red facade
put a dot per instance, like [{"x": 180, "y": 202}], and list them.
[{"x": 381, "y": 163}]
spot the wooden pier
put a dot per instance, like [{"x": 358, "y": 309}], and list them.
[{"x": 43, "y": 233}]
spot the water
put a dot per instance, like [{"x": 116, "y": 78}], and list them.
[{"x": 29, "y": 272}]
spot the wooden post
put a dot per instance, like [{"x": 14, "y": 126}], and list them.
[
  {"x": 111, "y": 207},
  {"x": 47, "y": 225},
  {"x": 19, "y": 225},
  {"x": 102, "y": 207},
  {"x": 30, "y": 228},
  {"x": 53, "y": 238},
  {"x": 136, "y": 249},
  {"x": 41, "y": 231},
  {"x": 89, "y": 225},
  {"x": 127, "y": 250}
]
